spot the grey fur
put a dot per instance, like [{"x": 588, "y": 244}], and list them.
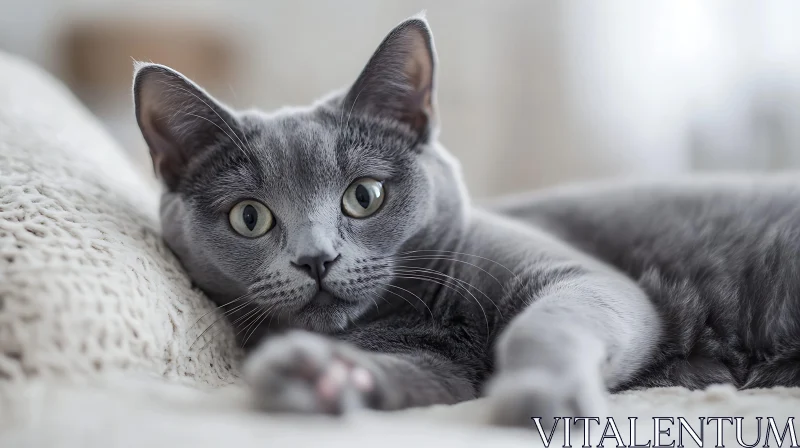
[{"x": 543, "y": 303}]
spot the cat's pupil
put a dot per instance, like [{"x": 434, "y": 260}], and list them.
[
  {"x": 250, "y": 216},
  {"x": 362, "y": 196}
]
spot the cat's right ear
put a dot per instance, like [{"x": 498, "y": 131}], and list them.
[
  {"x": 398, "y": 81},
  {"x": 178, "y": 119}
]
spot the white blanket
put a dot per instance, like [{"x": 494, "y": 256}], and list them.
[{"x": 99, "y": 331}]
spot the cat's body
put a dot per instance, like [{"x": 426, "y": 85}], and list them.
[
  {"x": 348, "y": 224},
  {"x": 718, "y": 255}
]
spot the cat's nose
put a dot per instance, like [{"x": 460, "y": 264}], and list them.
[{"x": 316, "y": 265}]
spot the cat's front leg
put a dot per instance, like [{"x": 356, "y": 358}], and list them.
[
  {"x": 580, "y": 336},
  {"x": 308, "y": 373}
]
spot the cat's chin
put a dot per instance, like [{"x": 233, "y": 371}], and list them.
[{"x": 327, "y": 314}]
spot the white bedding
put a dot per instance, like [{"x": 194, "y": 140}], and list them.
[{"x": 97, "y": 317}]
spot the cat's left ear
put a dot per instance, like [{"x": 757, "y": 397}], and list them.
[{"x": 398, "y": 81}]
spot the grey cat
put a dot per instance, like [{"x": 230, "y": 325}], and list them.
[{"x": 340, "y": 236}]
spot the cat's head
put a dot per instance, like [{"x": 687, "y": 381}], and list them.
[{"x": 302, "y": 213}]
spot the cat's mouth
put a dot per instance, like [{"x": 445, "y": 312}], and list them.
[
  {"x": 323, "y": 303},
  {"x": 323, "y": 298},
  {"x": 327, "y": 311},
  {"x": 326, "y": 297}
]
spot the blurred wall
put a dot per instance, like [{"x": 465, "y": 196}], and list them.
[{"x": 531, "y": 93}]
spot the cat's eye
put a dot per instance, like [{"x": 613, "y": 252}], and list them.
[
  {"x": 251, "y": 218},
  {"x": 363, "y": 197}
]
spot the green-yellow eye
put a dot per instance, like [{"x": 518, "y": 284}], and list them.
[
  {"x": 363, "y": 197},
  {"x": 250, "y": 218}
]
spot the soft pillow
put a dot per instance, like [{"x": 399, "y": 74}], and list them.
[{"x": 87, "y": 286}]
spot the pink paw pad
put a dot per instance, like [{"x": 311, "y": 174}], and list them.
[{"x": 340, "y": 375}]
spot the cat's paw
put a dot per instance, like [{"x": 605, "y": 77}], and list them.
[
  {"x": 308, "y": 373},
  {"x": 515, "y": 398}
]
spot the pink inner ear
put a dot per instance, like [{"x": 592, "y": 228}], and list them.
[
  {"x": 167, "y": 157},
  {"x": 419, "y": 68}
]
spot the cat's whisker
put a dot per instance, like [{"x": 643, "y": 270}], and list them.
[
  {"x": 352, "y": 319},
  {"x": 244, "y": 296},
  {"x": 173, "y": 87},
  {"x": 255, "y": 325},
  {"x": 412, "y": 270},
  {"x": 254, "y": 315},
  {"x": 445, "y": 258},
  {"x": 223, "y": 130},
  {"x": 375, "y": 302},
  {"x": 225, "y": 314},
  {"x": 264, "y": 311},
  {"x": 446, "y": 285},
  {"x": 269, "y": 324},
  {"x": 408, "y": 301},
  {"x": 217, "y": 320},
  {"x": 341, "y": 116},
  {"x": 248, "y": 145},
  {"x": 352, "y": 106},
  {"x": 383, "y": 298},
  {"x": 423, "y": 251}
]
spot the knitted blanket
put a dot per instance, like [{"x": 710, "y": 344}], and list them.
[{"x": 102, "y": 340}]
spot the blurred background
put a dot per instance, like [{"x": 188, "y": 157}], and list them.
[{"x": 531, "y": 93}]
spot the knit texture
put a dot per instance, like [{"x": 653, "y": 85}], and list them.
[{"x": 86, "y": 284}]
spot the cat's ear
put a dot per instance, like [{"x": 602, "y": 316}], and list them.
[
  {"x": 178, "y": 119},
  {"x": 398, "y": 80}
]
